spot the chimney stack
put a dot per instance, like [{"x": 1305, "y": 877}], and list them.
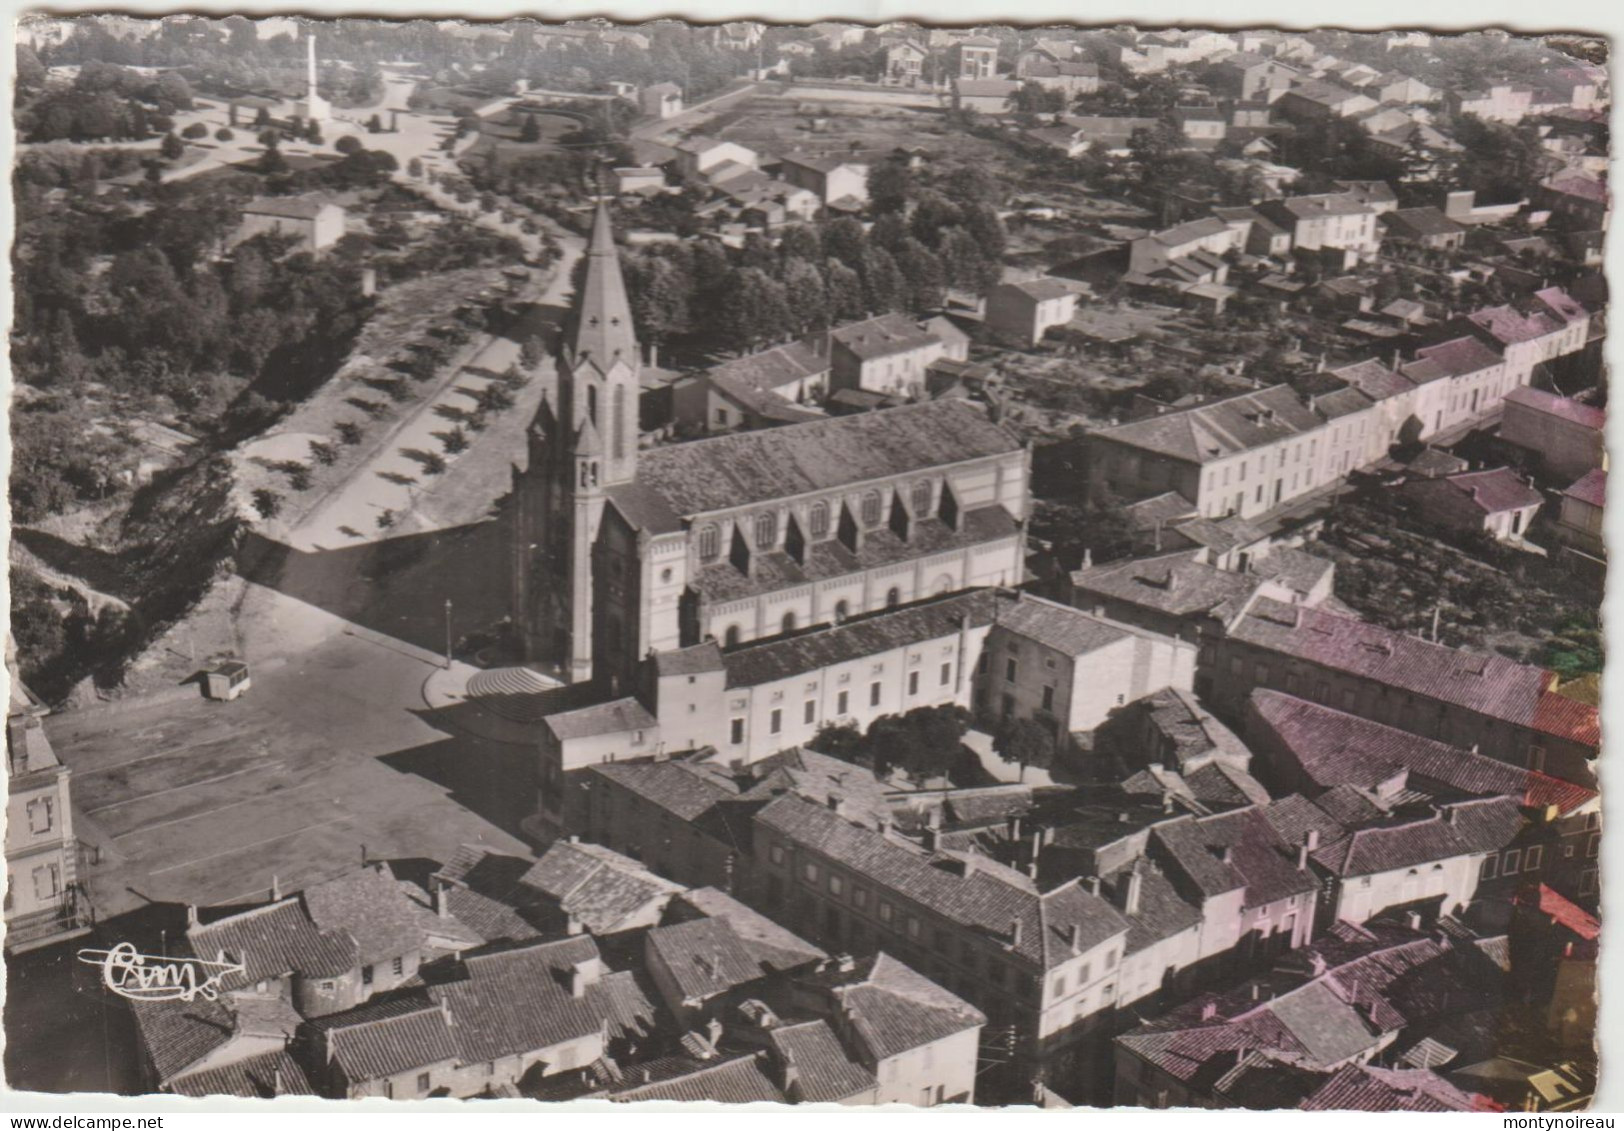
[
  {"x": 1130, "y": 892},
  {"x": 369, "y": 282},
  {"x": 442, "y": 906},
  {"x": 276, "y": 889},
  {"x": 1093, "y": 885},
  {"x": 1209, "y": 1010},
  {"x": 585, "y": 974},
  {"x": 1014, "y": 932},
  {"x": 1312, "y": 840},
  {"x": 1077, "y": 937},
  {"x": 1412, "y": 920},
  {"x": 191, "y": 914}
]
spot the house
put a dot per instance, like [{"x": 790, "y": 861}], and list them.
[
  {"x": 1243, "y": 454},
  {"x": 1114, "y": 133},
  {"x": 633, "y": 181},
  {"x": 1555, "y": 940},
  {"x": 314, "y": 222},
  {"x": 930, "y": 1059},
  {"x": 1501, "y": 102},
  {"x": 1250, "y": 77},
  {"x": 975, "y": 57},
  {"x": 1397, "y": 87},
  {"x": 1306, "y": 1034},
  {"x": 1203, "y": 127},
  {"x": 836, "y": 181},
  {"x": 1320, "y": 101},
  {"x": 1567, "y": 436},
  {"x": 700, "y": 157},
  {"x": 1326, "y": 220},
  {"x": 1068, "y": 669},
  {"x": 1579, "y": 523},
  {"x": 1423, "y": 227},
  {"x": 1378, "y": 195},
  {"x": 1580, "y": 200},
  {"x": 1069, "y": 77},
  {"x": 1158, "y": 251},
  {"x": 662, "y": 100},
  {"x": 904, "y": 62},
  {"x": 1026, "y": 311},
  {"x": 703, "y": 967},
  {"x": 1532, "y": 330},
  {"x": 45, "y": 902},
  {"x": 755, "y": 391},
  {"x": 1507, "y": 710},
  {"x": 888, "y": 353},
  {"x": 985, "y": 95},
  {"x": 740, "y": 35},
  {"x": 1256, "y": 233},
  {"x": 1046, "y": 51}
]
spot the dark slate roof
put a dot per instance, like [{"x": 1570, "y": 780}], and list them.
[
  {"x": 273, "y": 941},
  {"x": 596, "y": 885},
  {"x": 770, "y": 943},
  {"x": 891, "y": 1008},
  {"x": 827, "y": 1074},
  {"x": 1458, "y": 357},
  {"x": 1334, "y": 748},
  {"x": 1259, "y": 859},
  {"x": 983, "y": 897},
  {"x": 259, "y": 1077},
  {"x": 754, "y": 664},
  {"x": 1162, "y": 912},
  {"x": 373, "y": 907},
  {"x": 1188, "y": 731},
  {"x": 1358, "y": 1087},
  {"x": 754, "y": 467},
  {"x": 1483, "y": 682},
  {"x": 703, "y": 657},
  {"x": 773, "y": 368},
  {"x": 882, "y": 336}
]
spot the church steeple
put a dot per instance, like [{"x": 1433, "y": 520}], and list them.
[{"x": 603, "y": 330}]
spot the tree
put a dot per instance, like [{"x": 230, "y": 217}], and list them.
[
  {"x": 841, "y": 740},
  {"x": 313, "y": 132},
  {"x": 348, "y": 431},
  {"x": 805, "y": 296},
  {"x": 348, "y": 144},
  {"x": 923, "y": 743},
  {"x": 884, "y": 288},
  {"x": 845, "y": 240},
  {"x": 223, "y": 134},
  {"x": 923, "y": 276},
  {"x": 753, "y": 310},
  {"x": 433, "y": 463},
  {"x": 658, "y": 288},
  {"x": 262, "y": 119},
  {"x": 386, "y": 519},
  {"x": 267, "y": 502},
  {"x": 455, "y": 441},
  {"x": 172, "y": 147},
  {"x": 195, "y": 131},
  {"x": 530, "y": 131},
  {"x": 323, "y": 453},
  {"x": 1025, "y": 742},
  {"x": 800, "y": 241},
  {"x": 375, "y": 125},
  {"x": 414, "y": 168},
  {"x": 889, "y": 185},
  {"x": 844, "y": 291}
]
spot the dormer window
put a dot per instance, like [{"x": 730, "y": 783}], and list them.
[
  {"x": 871, "y": 508},
  {"x": 766, "y": 531}
]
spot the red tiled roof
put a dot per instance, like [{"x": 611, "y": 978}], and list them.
[
  {"x": 1486, "y": 683},
  {"x": 1474, "y": 494},
  {"x": 1564, "y": 911},
  {"x": 1576, "y": 412},
  {"x": 1591, "y": 489}
]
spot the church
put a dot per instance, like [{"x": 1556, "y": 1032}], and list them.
[{"x": 620, "y": 552}]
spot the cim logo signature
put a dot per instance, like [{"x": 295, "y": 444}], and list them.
[{"x": 146, "y": 977}]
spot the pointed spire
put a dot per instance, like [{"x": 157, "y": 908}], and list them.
[{"x": 603, "y": 329}]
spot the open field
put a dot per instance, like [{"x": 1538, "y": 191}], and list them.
[{"x": 866, "y": 129}]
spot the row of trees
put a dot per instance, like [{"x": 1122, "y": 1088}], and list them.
[
  {"x": 927, "y": 744},
  {"x": 927, "y": 238}
]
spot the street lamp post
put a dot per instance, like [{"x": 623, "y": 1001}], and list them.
[{"x": 448, "y": 633}]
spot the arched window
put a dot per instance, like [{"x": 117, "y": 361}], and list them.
[
  {"x": 592, "y": 404},
  {"x": 731, "y": 637},
  {"x": 617, "y": 422},
  {"x": 766, "y": 530},
  {"x": 921, "y": 499},
  {"x": 817, "y": 520},
  {"x": 842, "y": 611},
  {"x": 789, "y": 622},
  {"x": 710, "y": 543},
  {"x": 871, "y": 508},
  {"x": 893, "y": 596}
]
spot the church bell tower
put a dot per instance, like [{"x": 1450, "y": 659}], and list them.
[{"x": 579, "y": 447}]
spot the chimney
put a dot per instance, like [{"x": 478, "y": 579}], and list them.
[
  {"x": 1088, "y": 558},
  {"x": 1312, "y": 840},
  {"x": 931, "y": 838},
  {"x": 191, "y": 914},
  {"x": 1093, "y": 885},
  {"x": 369, "y": 282},
  {"x": 833, "y": 801},
  {"x": 1228, "y": 855},
  {"x": 1014, "y": 932},
  {"x": 1454, "y": 815},
  {"x": 1131, "y": 891},
  {"x": 1015, "y": 828},
  {"x": 1412, "y": 920},
  {"x": 585, "y": 974},
  {"x": 1209, "y": 1010},
  {"x": 442, "y": 905},
  {"x": 1302, "y": 857},
  {"x": 1076, "y": 939},
  {"x": 276, "y": 1081},
  {"x": 276, "y": 889}
]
